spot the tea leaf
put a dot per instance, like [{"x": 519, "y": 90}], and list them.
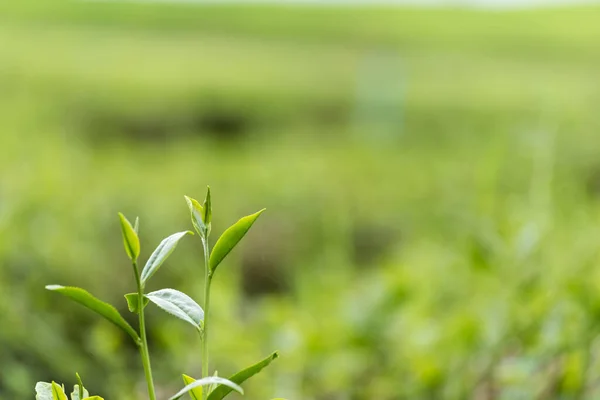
[
  {"x": 178, "y": 304},
  {"x": 81, "y": 388},
  {"x": 43, "y": 391},
  {"x": 158, "y": 257},
  {"x": 94, "y": 398},
  {"x": 130, "y": 238},
  {"x": 104, "y": 309},
  {"x": 197, "y": 213},
  {"x": 58, "y": 393},
  {"x": 77, "y": 394},
  {"x": 207, "y": 381},
  {"x": 212, "y": 386},
  {"x": 222, "y": 391},
  {"x": 195, "y": 393},
  {"x": 230, "y": 238},
  {"x": 133, "y": 302},
  {"x": 207, "y": 216}
]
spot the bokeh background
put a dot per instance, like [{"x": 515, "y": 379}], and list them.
[{"x": 431, "y": 177}]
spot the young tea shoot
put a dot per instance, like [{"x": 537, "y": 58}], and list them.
[
  {"x": 201, "y": 216},
  {"x": 54, "y": 391},
  {"x": 172, "y": 301}
]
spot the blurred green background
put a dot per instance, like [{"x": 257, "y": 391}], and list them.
[{"x": 431, "y": 178}]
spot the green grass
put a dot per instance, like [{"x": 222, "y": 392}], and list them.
[{"x": 453, "y": 234}]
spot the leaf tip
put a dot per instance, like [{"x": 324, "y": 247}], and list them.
[
  {"x": 131, "y": 240},
  {"x": 54, "y": 287},
  {"x": 207, "y": 206},
  {"x": 191, "y": 202}
]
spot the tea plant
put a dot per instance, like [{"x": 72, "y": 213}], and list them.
[
  {"x": 54, "y": 391},
  {"x": 170, "y": 300}
]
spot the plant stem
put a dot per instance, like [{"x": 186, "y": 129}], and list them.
[
  {"x": 207, "y": 281},
  {"x": 144, "y": 342}
]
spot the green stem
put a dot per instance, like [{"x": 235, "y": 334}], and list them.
[
  {"x": 144, "y": 342},
  {"x": 207, "y": 281}
]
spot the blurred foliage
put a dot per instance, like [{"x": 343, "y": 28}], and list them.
[{"x": 431, "y": 177}]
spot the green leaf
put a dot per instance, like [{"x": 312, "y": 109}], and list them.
[
  {"x": 106, "y": 310},
  {"x": 178, "y": 304},
  {"x": 94, "y": 398},
  {"x": 197, "y": 213},
  {"x": 130, "y": 238},
  {"x": 58, "y": 393},
  {"x": 222, "y": 391},
  {"x": 212, "y": 386},
  {"x": 162, "y": 252},
  {"x": 133, "y": 303},
  {"x": 207, "y": 216},
  {"x": 79, "y": 391},
  {"x": 195, "y": 393},
  {"x": 82, "y": 390},
  {"x": 207, "y": 381},
  {"x": 230, "y": 238},
  {"x": 43, "y": 391},
  {"x": 77, "y": 394}
]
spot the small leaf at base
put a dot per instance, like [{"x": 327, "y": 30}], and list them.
[
  {"x": 58, "y": 393},
  {"x": 43, "y": 391},
  {"x": 79, "y": 394},
  {"x": 212, "y": 386},
  {"x": 207, "y": 381},
  {"x": 222, "y": 391},
  {"x": 133, "y": 303},
  {"x": 195, "y": 393}
]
